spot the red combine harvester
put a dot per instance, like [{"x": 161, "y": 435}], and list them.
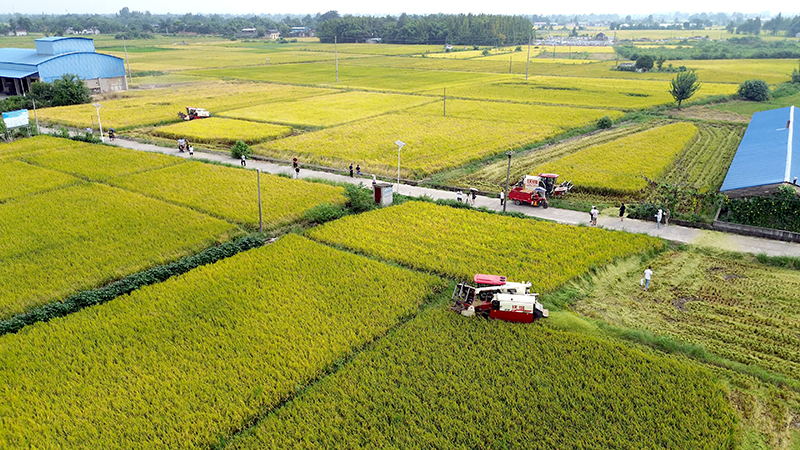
[
  {"x": 497, "y": 298},
  {"x": 534, "y": 190},
  {"x": 194, "y": 113}
]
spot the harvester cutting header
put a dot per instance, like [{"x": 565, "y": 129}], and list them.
[
  {"x": 495, "y": 297},
  {"x": 536, "y": 189}
]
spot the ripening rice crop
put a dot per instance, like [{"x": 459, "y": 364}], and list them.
[
  {"x": 742, "y": 311},
  {"x": 217, "y": 130},
  {"x": 18, "y": 179},
  {"x": 32, "y": 145},
  {"x": 460, "y": 243},
  {"x": 80, "y": 237},
  {"x": 158, "y": 106},
  {"x": 444, "y": 381},
  {"x": 492, "y": 177},
  {"x": 624, "y": 165},
  {"x": 96, "y": 162},
  {"x": 183, "y": 363},
  {"x": 232, "y": 193},
  {"x": 470, "y": 131},
  {"x": 327, "y": 110},
  {"x": 595, "y": 92}
]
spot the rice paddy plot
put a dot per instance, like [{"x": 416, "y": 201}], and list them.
[
  {"x": 97, "y": 162},
  {"x": 591, "y": 92},
  {"x": 80, "y": 237},
  {"x": 444, "y": 381},
  {"x": 133, "y": 109},
  {"x": 219, "y": 130},
  {"x": 328, "y": 110},
  {"x": 187, "y": 362},
  {"x": 18, "y": 179},
  {"x": 232, "y": 193},
  {"x": 372, "y": 77}
]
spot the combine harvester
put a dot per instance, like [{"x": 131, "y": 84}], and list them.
[
  {"x": 497, "y": 298},
  {"x": 534, "y": 190},
  {"x": 193, "y": 113}
]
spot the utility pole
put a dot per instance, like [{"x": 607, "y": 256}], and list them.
[
  {"x": 508, "y": 173},
  {"x": 130, "y": 75},
  {"x": 528, "y": 65},
  {"x": 336, "y": 57},
  {"x": 260, "y": 220}
]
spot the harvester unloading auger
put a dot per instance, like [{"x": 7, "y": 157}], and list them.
[{"x": 495, "y": 297}]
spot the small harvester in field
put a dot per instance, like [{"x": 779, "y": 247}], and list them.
[
  {"x": 194, "y": 113},
  {"x": 495, "y": 297}
]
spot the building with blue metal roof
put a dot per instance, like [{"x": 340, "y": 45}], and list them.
[
  {"x": 56, "y": 56},
  {"x": 767, "y": 157}
]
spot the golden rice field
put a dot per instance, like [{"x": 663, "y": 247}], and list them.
[
  {"x": 435, "y": 143},
  {"x": 178, "y": 57},
  {"x": 81, "y": 237},
  {"x": 186, "y": 362},
  {"x": 232, "y": 193},
  {"x": 459, "y": 243},
  {"x": 18, "y": 179},
  {"x": 218, "y": 130},
  {"x": 90, "y": 161},
  {"x": 158, "y": 106},
  {"x": 328, "y": 110},
  {"x": 595, "y": 92},
  {"x": 492, "y": 177},
  {"x": 444, "y": 381},
  {"x": 623, "y": 165}
]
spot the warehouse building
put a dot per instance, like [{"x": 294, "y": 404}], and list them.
[
  {"x": 56, "y": 56},
  {"x": 767, "y": 157}
]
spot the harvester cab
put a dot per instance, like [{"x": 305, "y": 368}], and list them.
[
  {"x": 194, "y": 113},
  {"x": 549, "y": 182},
  {"x": 495, "y": 297}
]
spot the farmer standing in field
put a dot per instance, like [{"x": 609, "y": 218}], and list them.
[{"x": 646, "y": 277}]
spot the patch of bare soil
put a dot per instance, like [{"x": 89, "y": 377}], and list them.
[
  {"x": 706, "y": 113},
  {"x": 680, "y": 302}
]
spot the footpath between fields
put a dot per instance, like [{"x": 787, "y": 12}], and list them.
[{"x": 708, "y": 238}]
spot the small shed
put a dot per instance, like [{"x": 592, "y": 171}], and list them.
[
  {"x": 767, "y": 157},
  {"x": 383, "y": 193}
]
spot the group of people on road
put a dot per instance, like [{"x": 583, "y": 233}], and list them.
[
  {"x": 472, "y": 195},
  {"x": 358, "y": 170},
  {"x": 184, "y": 145}
]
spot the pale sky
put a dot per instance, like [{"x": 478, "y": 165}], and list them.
[{"x": 395, "y": 7}]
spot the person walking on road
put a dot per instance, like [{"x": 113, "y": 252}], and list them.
[
  {"x": 659, "y": 215},
  {"x": 666, "y": 217},
  {"x": 459, "y": 195},
  {"x": 502, "y": 197},
  {"x": 191, "y": 150},
  {"x": 244, "y": 161},
  {"x": 474, "y": 197},
  {"x": 622, "y": 212},
  {"x": 351, "y": 170},
  {"x": 594, "y": 213},
  {"x": 646, "y": 277},
  {"x": 358, "y": 169}
]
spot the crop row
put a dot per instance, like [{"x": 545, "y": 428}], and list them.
[
  {"x": 743, "y": 311},
  {"x": 18, "y": 179},
  {"x": 469, "y": 131},
  {"x": 444, "y": 381},
  {"x": 187, "y": 361},
  {"x": 625, "y": 165},
  {"x": 460, "y": 243},
  {"x": 218, "y": 130}
]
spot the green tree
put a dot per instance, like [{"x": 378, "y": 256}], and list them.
[
  {"x": 239, "y": 149},
  {"x": 70, "y": 90},
  {"x": 684, "y": 86},
  {"x": 755, "y": 90},
  {"x": 644, "y": 62}
]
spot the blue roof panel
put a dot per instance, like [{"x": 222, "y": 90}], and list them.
[
  {"x": 762, "y": 155},
  {"x": 19, "y": 74},
  {"x": 27, "y": 56}
]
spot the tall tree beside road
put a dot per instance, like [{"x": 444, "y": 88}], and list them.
[{"x": 684, "y": 85}]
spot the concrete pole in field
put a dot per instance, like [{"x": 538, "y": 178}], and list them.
[
  {"x": 336, "y": 56},
  {"x": 98, "y": 106},
  {"x": 400, "y": 145},
  {"x": 508, "y": 174},
  {"x": 260, "y": 219},
  {"x": 528, "y": 66}
]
